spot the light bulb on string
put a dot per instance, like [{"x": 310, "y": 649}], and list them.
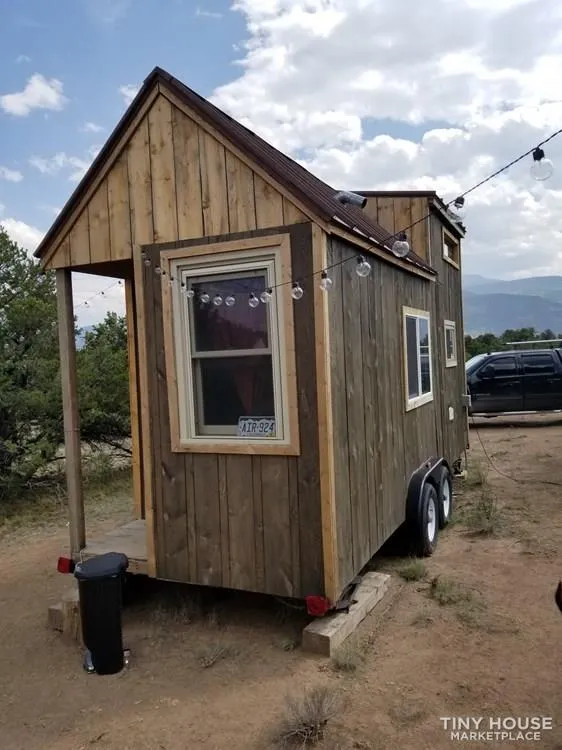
[
  {"x": 171, "y": 281},
  {"x": 205, "y": 298},
  {"x": 158, "y": 271},
  {"x": 230, "y": 301},
  {"x": 147, "y": 261},
  {"x": 459, "y": 207},
  {"x": 363, "y": 267},
  {"x": 217, "y": 300},
  {"x": 253, "y": 301},
  {"x": 297, "y": 291},
  {"x": 190, "y": 294},
  {"x": 266, "y": 295},
  {"x": 326, "y": 282},
  {"x": 401, "y": 247},
  {"x": 541, "y": 168}
]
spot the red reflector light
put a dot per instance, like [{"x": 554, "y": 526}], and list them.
[{"x": 65, "y": 565}]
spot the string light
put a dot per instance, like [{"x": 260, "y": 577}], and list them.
[
  {"x": 459, "y": 207},
  {"x": 205, "y": 298},
  {"x": 253, "y": 301},
  {"x": 266, "y": 295},
  {"x": 297, "y": 291},
  {"x": 217, "y": 300},
  {"x": 363, "y": 267},
  {"x": 230, "y": 301},
  {"x": 401, "y": 247},
  {"x": 541, "y": 168},
  {"x": 326, "y": 282}
]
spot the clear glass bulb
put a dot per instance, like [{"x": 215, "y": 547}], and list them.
[
  {"x": 229, "y": 301},
  {"x": 541, "y": 168},
  {"x": 266, "y": 295},
  {"x": 459, "y": 208},
  {"x": 401, "y": 248},
  {"x": 363, "y": 267},
  {"x": 158, "y": 271},
  {"x": 190, "y": 294},
  {"x": 171, "y": 281},
  {"x": 326, "y": 282},
  {"x": 204, "y": 298},
  {"x": 297, "y": 291},
  {"x": 217, "y": 300},
  {"x": 253, "y": 301},
  {"x": 147, "y": 261}
]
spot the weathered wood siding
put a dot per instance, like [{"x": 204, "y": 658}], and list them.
[
  {"x": 394, "y": 213},
  {"x": 377, "y": 444},
  {"x": 171, "y": 180},
  {"x": 238, "y": 521},
  {"x": 452, "y": 385}
]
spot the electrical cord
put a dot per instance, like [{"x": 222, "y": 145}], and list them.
[{"x": 502, "y": 473}]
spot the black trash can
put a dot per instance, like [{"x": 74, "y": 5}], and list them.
[{"x": 100, "y": 582}]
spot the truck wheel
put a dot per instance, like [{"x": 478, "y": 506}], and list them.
[
  {"x": 426, "y": 523},
  {"x": 445, "y": 497}
]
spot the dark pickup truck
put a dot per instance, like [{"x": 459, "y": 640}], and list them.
[{"x": 515, "y": 381}]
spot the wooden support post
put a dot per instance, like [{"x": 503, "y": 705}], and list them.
[{"x": 73, "y": 455}]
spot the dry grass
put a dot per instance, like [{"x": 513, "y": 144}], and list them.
[
  {"x": 306, "y": 717},
  {"x": 413, "y": 570},
  {"x": 214, "y": 652},
  {"x": 484, "y": 516},
  {"x": 348, "y": 657},
  {"x": 476, "y": 475}
]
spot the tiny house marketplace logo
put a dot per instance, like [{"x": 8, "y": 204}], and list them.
[{"x": 496, "y": 728}]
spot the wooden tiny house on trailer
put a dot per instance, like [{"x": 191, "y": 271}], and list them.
[{"x": 358, "y": 390}]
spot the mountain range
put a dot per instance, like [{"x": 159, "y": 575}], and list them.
[{"x": 493, "y": 305}]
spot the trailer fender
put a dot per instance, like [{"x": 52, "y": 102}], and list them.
[{"x": 426, "y": 472}]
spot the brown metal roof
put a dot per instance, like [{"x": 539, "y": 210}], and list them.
[{"x": 311, "y": 191}]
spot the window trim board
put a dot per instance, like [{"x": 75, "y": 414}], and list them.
[
  {"x": 282, "y": 335},
  {"x": 450, "y": 325},
  {"x": 425, "y": 398},
  {"x": 450, "y": 236}
]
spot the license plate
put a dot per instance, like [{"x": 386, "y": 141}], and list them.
[{"x": 260, "y": 427}]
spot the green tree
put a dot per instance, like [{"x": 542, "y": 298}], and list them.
[
  {"x": 103, "y": 383},
  {"x": 30, "y": 398}
]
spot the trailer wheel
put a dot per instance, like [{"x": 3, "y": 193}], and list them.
[
  {"x": 426, "y": 524},
  {"x": 445, "y": 496}
]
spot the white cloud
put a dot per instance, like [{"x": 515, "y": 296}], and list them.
[
  {"x": 381, "y": 95},
  {"x": 39, "y": 93},
  {"x": 92, "y": 127},
  {"x": 24, "y": 234},
  {"x": 23, "y": 59},
  {"x": 75, "y": 166},
  {"x": 200, "y": 13},
  {"x": 128, "y": 92},
  {"x": 11, "y": 175}
]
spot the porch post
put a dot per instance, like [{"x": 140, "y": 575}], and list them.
[{"x": 67, "y": 348}]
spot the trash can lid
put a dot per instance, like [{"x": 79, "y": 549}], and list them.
[{"x": 103, "y": 566}]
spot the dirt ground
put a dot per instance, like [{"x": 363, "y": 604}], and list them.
[{"x": 213, "y": 672}]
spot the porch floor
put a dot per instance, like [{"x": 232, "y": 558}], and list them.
[{"x": 129, "y": 539}]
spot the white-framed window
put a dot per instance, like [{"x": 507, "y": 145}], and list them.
[
  {"x": 417, "y": 357},
  {"x": 450, "y": 343},
  {"x": 234, "y": 368},
  {"x": 451, "y": 249}
]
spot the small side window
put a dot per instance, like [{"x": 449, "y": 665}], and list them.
[
  {"x": 450, "y": 343},
  {"x": 451, "y": 249}
]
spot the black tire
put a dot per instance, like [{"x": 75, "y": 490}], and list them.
[
  {"x": 424, "y": 535},
  {"x": 445, "y": 496}
]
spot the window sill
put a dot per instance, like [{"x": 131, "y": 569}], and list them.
[
  {"x": 419, "y": 401},
  {"x": 225, "y": 446},
  {"x": 452, "y": 263}
]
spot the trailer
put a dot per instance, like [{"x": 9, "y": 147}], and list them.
[{"x": 297, "y": 386}]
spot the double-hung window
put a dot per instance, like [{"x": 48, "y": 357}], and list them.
[
  {"x": 417, "y": 355},
  {"x": 234, "y": 353}
]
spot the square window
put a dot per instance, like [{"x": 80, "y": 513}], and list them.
[
  {"x": 451, "y": 249},
  {"x": 450, "y": 344},
  {"x": 417, "y": 345}
]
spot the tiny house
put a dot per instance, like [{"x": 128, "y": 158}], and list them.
[{"x": 296, "y": 386}]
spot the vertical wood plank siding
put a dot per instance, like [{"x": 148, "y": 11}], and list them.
[
  {"x": 378, "y": 445},
  {"x": 237, "y": 521},
  {"x": 197, "y": 187}
]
